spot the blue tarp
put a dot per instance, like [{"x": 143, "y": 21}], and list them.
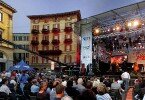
[{"x": 20, "y": 66}]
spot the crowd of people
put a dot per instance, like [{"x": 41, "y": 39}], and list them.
[{"x": 26, "y": 85}]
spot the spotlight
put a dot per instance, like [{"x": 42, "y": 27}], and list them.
[
  {"x": 117, "y": 28},
  {"x": 97, "y": 31},
  {"x": 129, "y": 24},
  {"x": 136, "y": 23}
]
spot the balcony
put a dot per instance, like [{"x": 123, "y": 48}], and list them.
[
  {"x": 35, "y": 31},
  {"x": 45, "y": 31},
  {"x": 45, "y": 42},
  {"x": 50, "y": 52},
  {"x": 68, "y": 29},
  {"x": 35, "y": 42},
  {"x": 68, "y": 41},
  {"x": 55, "y": 30},
  {"x": 55, "y": 42}
]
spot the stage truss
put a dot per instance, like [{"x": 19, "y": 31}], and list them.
[{"x": 118, "y": 43}]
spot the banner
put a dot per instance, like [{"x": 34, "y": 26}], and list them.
[{"x": 86, "y": 46}]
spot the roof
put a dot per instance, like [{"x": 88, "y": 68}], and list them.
[
  {"x": 77, "y": 12},
  {"x": 108, "y": 18},
  {"x": 7, "y": 6}
]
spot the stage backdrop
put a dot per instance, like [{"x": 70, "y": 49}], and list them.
[
  {"x": 137, "y": 56},
  {"x": 86, "y": 45}
]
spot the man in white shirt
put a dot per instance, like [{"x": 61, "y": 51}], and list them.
[
  {"x": 4, "y": 88},
  {"x": 126, "y": 77}
]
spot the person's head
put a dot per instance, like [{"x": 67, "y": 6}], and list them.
[
  {"x": 60, "y": 90},
  {"x": 88, "y": 95},
  {"x": 43, "y": 86},
  {"x": 101, "y": 89},
  {"x": 5, "y": 81},
  {"x": 101, "y": 79},
  {"x": 34, "y": 81},
  {"x": 89, "y": 85},
  {"x": 80, "y": 81},
  {"x": 70, "y": 83}
]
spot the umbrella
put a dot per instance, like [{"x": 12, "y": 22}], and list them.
[{"x": 21, "y": 66}]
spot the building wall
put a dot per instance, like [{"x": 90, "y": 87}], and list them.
[
  {"x": 21, "y": 39},
  {"x": 6, "y": 32},
  {"x": 65, "y": 56}
]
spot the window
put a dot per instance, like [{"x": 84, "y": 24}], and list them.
[
  {"x": 1, "y": 17},
  {"x": 55, "y": 25},
  {"x": 36, "y": 27},
  {"x": 67, "y": 58},
  {"x": 68, "y": 36},
  {"x": 55, "y": 47},
  {"x": 45, "y": 37},
  {"x": 20, "y": 38},
  {"x": 35, "y": 21},
  {"x": 68, "y": 48},
  {"x": 46, "y": 27},
  {"x": 68, "y": 24},
  {"x": 0, "y": 33},
  {"x": 56, "y": 37},
  {"x": 1, "y": 55},
  {"x": 27, "y": 55}
]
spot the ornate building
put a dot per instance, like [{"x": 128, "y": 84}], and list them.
[
  {"x": 53, "y": 35},
  {"x": 6, "y": 22},
  {"x": 21, "y": 39}
]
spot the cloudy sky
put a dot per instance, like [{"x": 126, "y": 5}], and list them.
[{"x": 36, "y": 7}]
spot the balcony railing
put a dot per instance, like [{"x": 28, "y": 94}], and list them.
[
  {"x": 50, "y": 52},
  {"x": 68, "y": 41},
  {"x": 35, "y": 42},
  {"x": 55, "y": 30},
  {"x": 68, "y": 29},
  {"x": 35, "y": 31},
  {"x": 55, "y": 42},
  {"x": 45, "y": 31},
  {"x": 45, "y": 42}
]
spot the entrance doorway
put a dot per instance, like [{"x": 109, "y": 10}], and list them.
[{"x": 2, "y": 66}]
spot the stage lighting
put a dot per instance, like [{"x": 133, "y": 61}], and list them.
[
  {"x": 117, "y": 28},
  {"x": 136, "y": 23},
  {"x": 129, "y": 24},
  {"x": 97, "y": 31}
]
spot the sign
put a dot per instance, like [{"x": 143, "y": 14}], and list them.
[{"x": 86, "y": 46}]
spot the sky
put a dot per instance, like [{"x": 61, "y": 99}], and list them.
[{"x": 21, "y": 23}]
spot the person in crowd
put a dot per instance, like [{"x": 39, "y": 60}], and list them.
[
  {"x": 27, "y": 88},
  {"x": 23, "y": 79},
  {"x": 135, "y": 67},
  {"x": 34, "y": 87},
  {"x": 125, "y": 77},
  {"x": 115, "y": 85},
  {"x": 66, "y": 98},
  {"x": 102, "y": 93},
  {"x": 4, "y": 88},
  {"x": 42, "y": 94},
  {"x": 70, "y": 90},
  {"x": 79, "y": 86},
  {"x": 53, "y": 90},
  {"x": 88, "y": 95},
  {"x": 59, "y": 92}
]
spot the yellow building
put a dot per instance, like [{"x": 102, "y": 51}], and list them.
[
  {"x": 52, "y": 35},
  {"x": 6, "y": 50}
]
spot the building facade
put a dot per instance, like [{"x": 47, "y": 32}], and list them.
[
  {"x": 6, "y": 22},
  {"x": 53, "y": 36},
  {"x": 22, "y": 40}
]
